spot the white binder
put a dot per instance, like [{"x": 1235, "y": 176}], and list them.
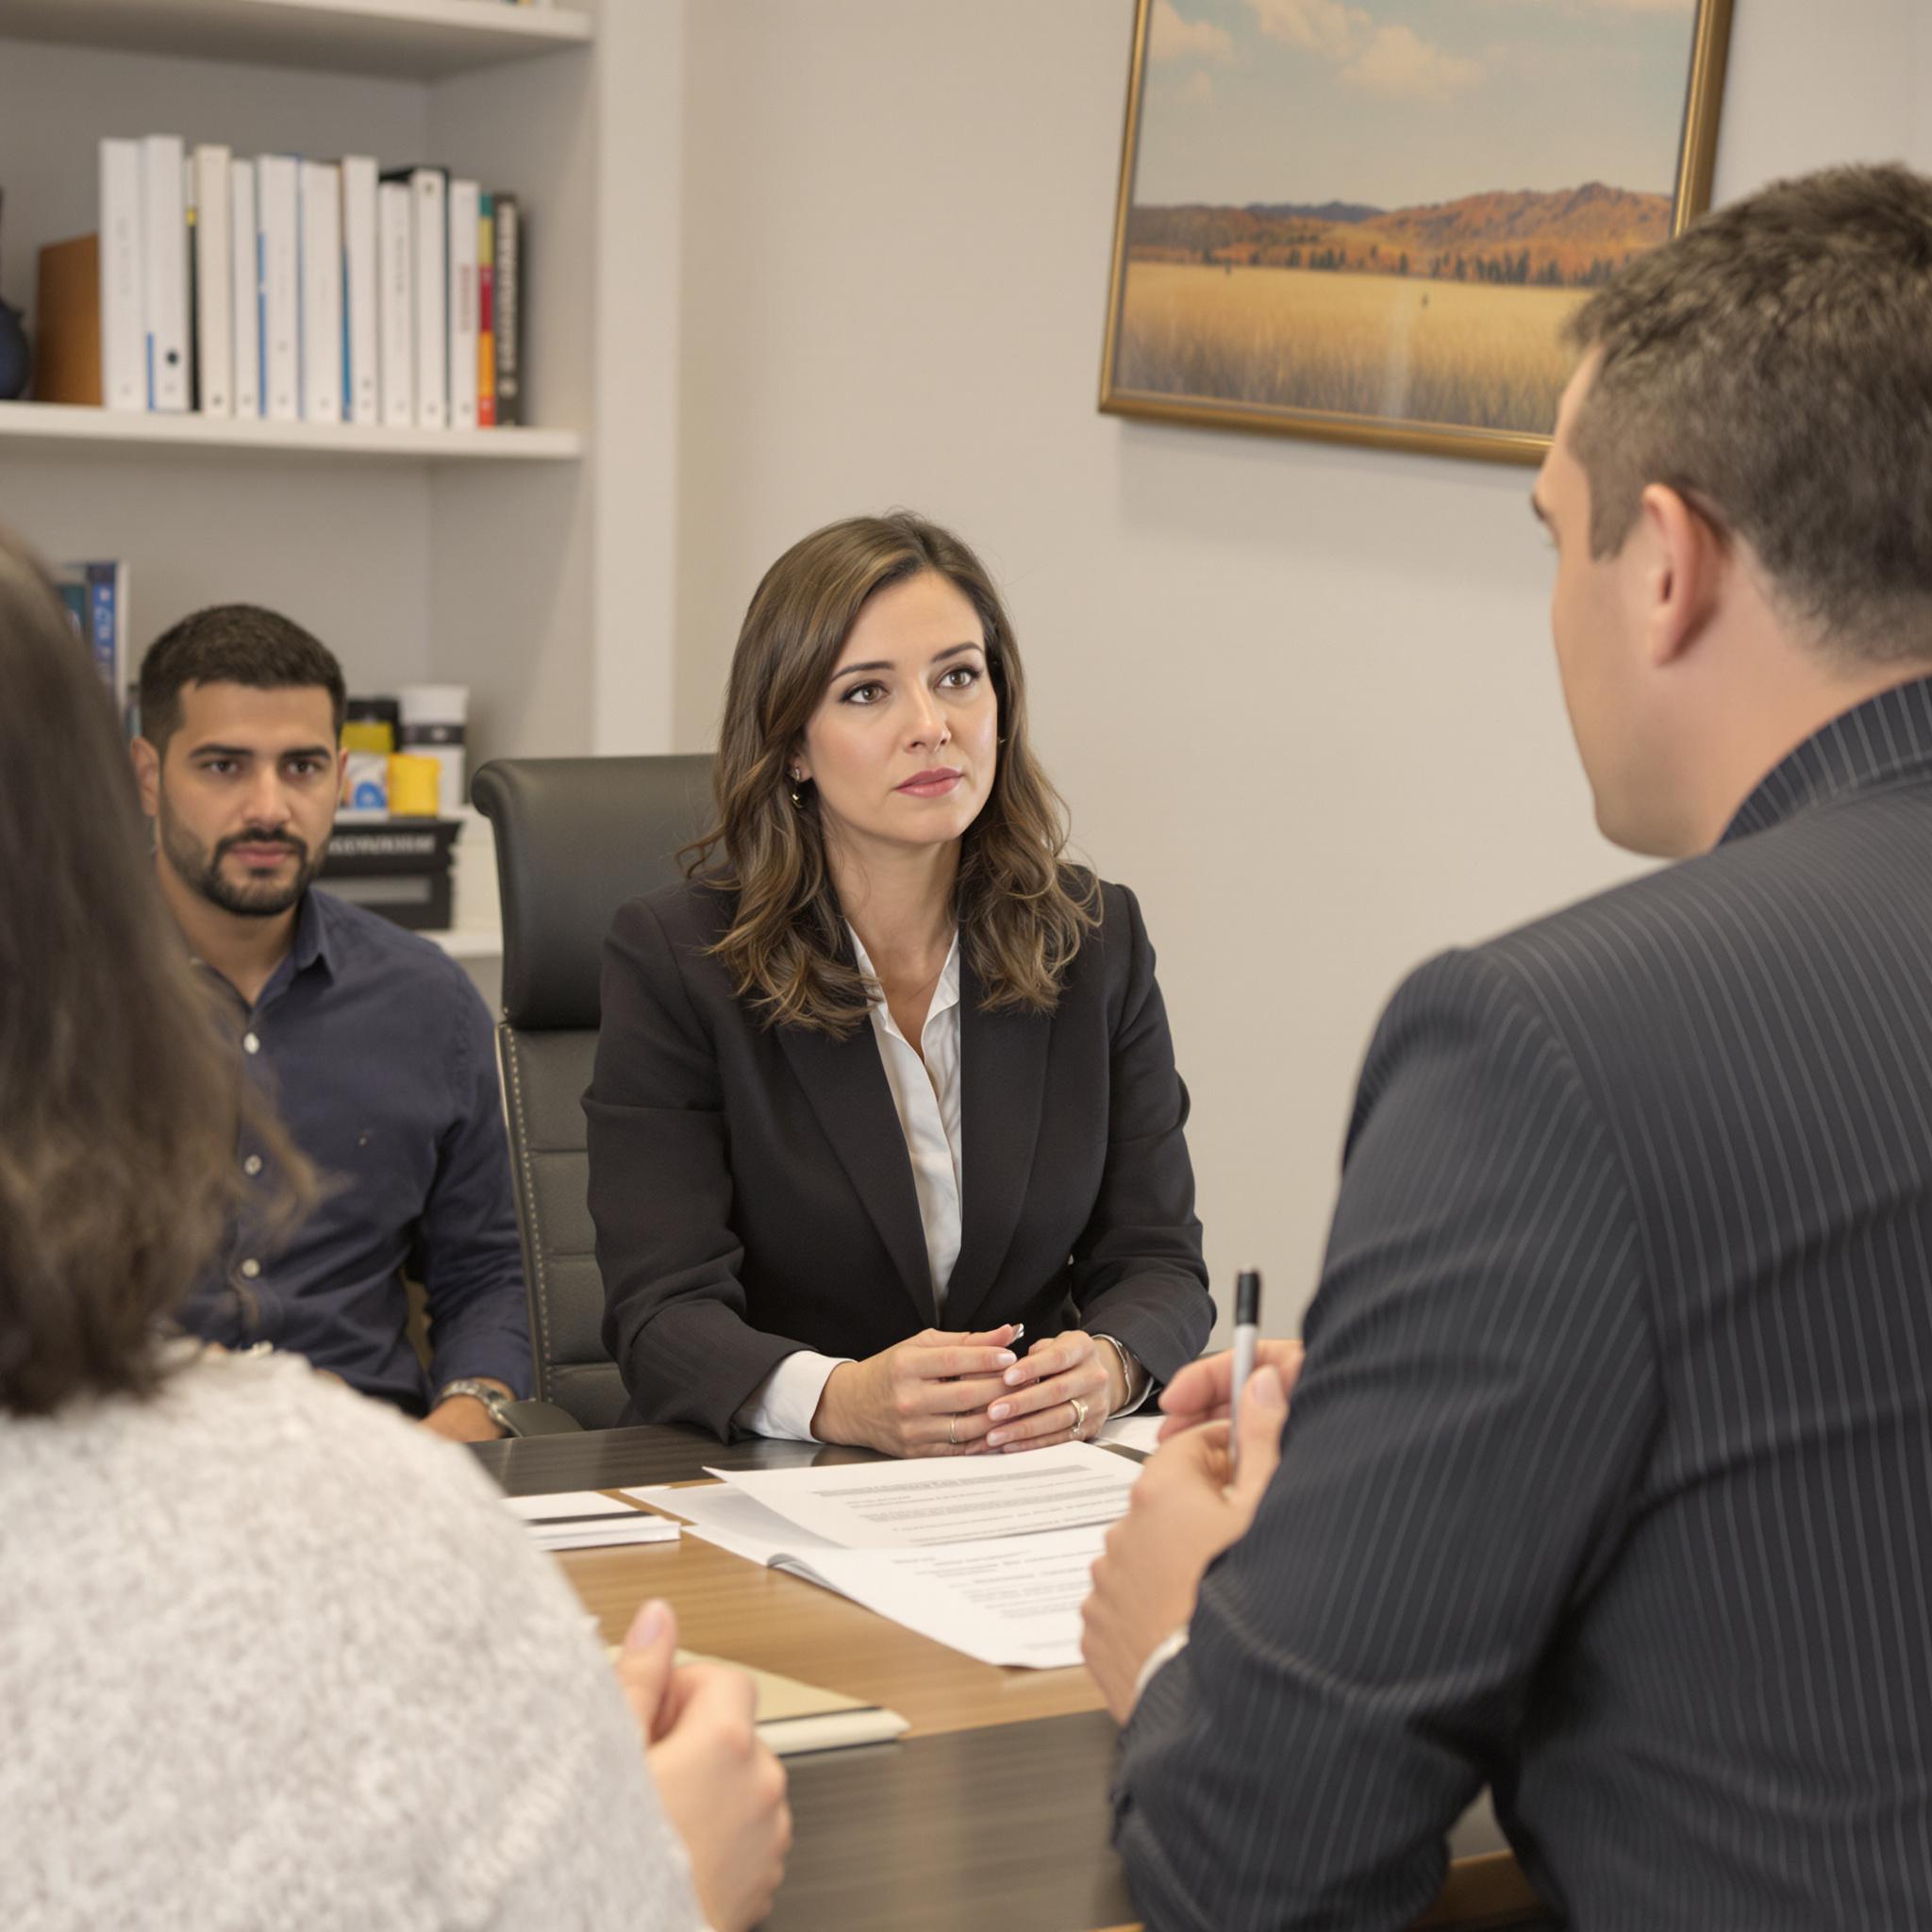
[
  {"x": 164, "y": 280},
  {"x": 429, "y": 254},
  {"x": 396, "y": 305},
  {"x": 215, "y": 267},
  {"x": 464, "y": 213},
  {"x": 245, "y": 287},
  {"x": 321, "y": 257},
  {"x": 281, "y": 362},
  {"x": 359, "y": 277},
  {"x": 124, "y": 349}
]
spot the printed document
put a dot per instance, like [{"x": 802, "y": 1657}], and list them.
[
  {"x": 915, "y": 1504},
  {"x": 1003, "y": 1600}
]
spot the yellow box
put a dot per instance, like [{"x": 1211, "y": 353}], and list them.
[{"x": 412, "y": 785}]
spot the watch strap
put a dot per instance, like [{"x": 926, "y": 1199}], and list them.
[{"x": 493, "y": 1398}]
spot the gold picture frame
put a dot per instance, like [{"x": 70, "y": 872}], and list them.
[{"x": 1186, "y": 318}]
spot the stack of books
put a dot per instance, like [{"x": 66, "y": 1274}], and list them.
[{"x": 292, "y": 290}]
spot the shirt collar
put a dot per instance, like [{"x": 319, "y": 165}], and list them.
[
  {"x": 313, "y": 938},
  {"x": 944, "y": 995},
  {"x": 1886, "y": 737},
  {"x": 311, "y": 945}
]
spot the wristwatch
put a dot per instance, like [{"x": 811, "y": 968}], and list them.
[{"x": 488, "y": 1393}]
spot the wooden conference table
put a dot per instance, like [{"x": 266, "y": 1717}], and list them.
[{"x": 991, "y": 1812}]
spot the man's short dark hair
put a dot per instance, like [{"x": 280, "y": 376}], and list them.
[
  {"x": 232, "y": 643},
  {"x": 1774, "y": 364}
]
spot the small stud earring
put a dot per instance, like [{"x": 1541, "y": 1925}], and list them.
[{"x": 797, "y": 780}]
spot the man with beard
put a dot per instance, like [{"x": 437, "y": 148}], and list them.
[{"x": 374, "y": 1045}]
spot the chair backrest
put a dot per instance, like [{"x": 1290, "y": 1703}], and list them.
[{"x": 575, "y": 837}]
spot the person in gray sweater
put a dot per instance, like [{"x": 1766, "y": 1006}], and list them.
[{"x": 268, "y": 1655}]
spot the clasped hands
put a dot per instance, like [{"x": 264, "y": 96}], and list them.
[
  {"x": 968, "y": 1395},
  {"x": 1194, "y": 1498}
]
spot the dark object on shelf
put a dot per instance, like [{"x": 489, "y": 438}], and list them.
[
  {"x": 376, "y": 711},
  {"x": 16, "y": 364},
  {"x": 399, "y": 869}
]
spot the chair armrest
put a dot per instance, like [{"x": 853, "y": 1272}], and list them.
[{"x": 539, "y": 1419}]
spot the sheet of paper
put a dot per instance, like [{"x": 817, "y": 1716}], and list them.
[
  {"x": 586, "y": 1520},
  {"x": 907, "y": 1505},
  {"x": 1006, "y": 1600},
  {"x": 567, "y": 1505},
  {"x": 735, "y": 1522},
  {"x": 1011, "y": 1601},
  {"x": 1134, "y": 1431}
]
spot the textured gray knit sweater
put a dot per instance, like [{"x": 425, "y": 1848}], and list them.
[{"x": 271, "y": 1656}]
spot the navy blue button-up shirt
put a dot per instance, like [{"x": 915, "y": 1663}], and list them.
[{"x": 377, "y": 1053}]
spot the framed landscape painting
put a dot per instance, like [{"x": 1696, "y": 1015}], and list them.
[{"x": 1368, "y": 223}]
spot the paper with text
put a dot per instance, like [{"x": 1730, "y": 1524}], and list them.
[
  {"x": 907, "y": 1505},
  {"x": 1003, "y": 1600}
]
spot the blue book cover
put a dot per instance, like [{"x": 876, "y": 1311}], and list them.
[{"x": 105, "y": 620}]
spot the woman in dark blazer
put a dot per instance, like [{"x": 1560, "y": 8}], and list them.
[{"x": 885, "y": 1083}]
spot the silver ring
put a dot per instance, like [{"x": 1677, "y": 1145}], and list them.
[
  {"x": 953, "y": 1430},
  {"x": 1079, "y": 1415}
]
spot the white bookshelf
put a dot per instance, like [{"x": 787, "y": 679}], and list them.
[
  {"x": 534, "y": 563},
  {"x": 115, "y": 434},
  {"x": 409, "y": 40}
]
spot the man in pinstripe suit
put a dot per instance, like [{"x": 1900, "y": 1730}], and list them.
[{"x": 1609, "y": 1476}]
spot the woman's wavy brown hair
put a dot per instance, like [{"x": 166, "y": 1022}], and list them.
[
  {"x": 118, "y": 1107},
  {"x": 1023, "y": 913}
]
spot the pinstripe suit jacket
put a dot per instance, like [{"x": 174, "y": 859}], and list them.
[{"x": 1608, "y": 1479}]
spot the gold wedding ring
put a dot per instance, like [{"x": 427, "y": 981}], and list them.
[
  {"x": 953, "y": 1430},
  {"x": 1079, "y": 1415}
]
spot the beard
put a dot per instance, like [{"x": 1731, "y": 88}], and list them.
[{"x": 199, "y": 867}]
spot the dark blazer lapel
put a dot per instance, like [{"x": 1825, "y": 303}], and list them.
[
  {"x": 1003, "y": 1083},
  {"x": 846, "y": 1085}
]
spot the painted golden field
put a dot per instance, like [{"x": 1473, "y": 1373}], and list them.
[{"x": 1398, "y": 347}]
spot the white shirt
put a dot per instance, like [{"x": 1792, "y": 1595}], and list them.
[{"x": 925, "y": 1091}]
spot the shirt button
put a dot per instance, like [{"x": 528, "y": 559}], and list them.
[
  {"x": 251, "y": 1268},
  {"x": 252, "y": 1166},
  {"x": 251, "y": 1042}
]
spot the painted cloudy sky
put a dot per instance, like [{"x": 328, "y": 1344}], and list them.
[{"x": 1396, "y": 102}]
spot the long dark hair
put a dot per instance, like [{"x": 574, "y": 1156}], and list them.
[
  {"x": 1023, "y": 913},
  {"x": 118, "y": 1107}
]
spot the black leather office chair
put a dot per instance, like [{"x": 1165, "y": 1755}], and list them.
[{"x": 575, "y": 837}]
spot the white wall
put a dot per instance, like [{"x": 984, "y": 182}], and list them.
[{"x": 1300, "y": 697}]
